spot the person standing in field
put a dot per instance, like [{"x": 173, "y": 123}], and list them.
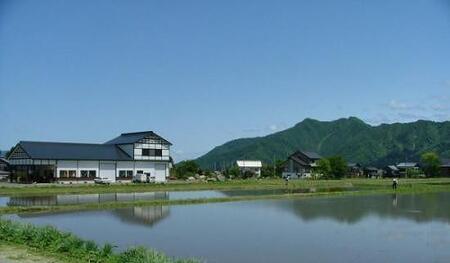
[
  {"x": 394, "y": 184},
  {"x": 286, "y": 179}
]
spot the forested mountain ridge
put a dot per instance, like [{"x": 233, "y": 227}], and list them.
[{"x": 351, "y": 138}]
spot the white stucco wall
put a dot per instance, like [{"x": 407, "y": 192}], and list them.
[
  {"x": 160, "y": 170},
  {"x": 67, "y": 165}
]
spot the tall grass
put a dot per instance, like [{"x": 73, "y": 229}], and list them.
[{"x": 68, "y": 246}]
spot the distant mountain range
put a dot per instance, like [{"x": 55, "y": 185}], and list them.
[{"x": 351, "y": 138}]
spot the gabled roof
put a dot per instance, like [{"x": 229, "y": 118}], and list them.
[
  {"x": 133, "y": 137},
  {"x": 353, "y": 165},
  {"x": 311, "y": 155},
  {"x": 392, "y": 167},
  {"x": 73, "y": 151},
  {"x": 445, "y": 163},
  {"x": 247, "y": 163},
  {"x": 298, "y": 160},
  {"x": 407, "y": 165}
]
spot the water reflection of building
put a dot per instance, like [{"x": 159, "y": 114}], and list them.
[
  {"x": 148, "y": 215},
  {"x": 84, "y": 198}
]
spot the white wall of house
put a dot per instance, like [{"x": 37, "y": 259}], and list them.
[
  {"x": 165, "y": 149},
  {"x": 67, "y": 166},
  {"x": 108, "y": 170}
]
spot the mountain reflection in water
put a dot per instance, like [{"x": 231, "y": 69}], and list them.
[{"x": 351, "y": 209}]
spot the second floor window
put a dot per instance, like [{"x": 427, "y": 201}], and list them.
[{"x": 151, "y": 152}]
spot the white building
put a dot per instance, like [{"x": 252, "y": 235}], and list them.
[
  {"x": 250, "y": 166},
  {"x": 118, "y": 159}
]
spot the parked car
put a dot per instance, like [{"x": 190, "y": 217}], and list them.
[
  {"x": 102, "y": 180},
  {"x": 143, "y": 178}
]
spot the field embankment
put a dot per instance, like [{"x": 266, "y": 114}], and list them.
[{"x": 316, "y": 188}]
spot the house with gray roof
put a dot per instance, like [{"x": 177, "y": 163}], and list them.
[
  {"x": 405, "y": 169},
  {"x": 119, "y": 160},
  {"x": 4, "y": 169},
  {"x": 300, "y": 164},
  {"x": 445, "y": 167}
]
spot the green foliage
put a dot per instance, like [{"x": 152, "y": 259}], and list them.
[
  {"x": 351, "y": 138},
  {"x": 324, "y": 168},
  {"x": 272, "y": 170},
  {"x": 338, "y": 166},
  {"x": 232, "y": 172},
  {"x": 51, "y": 240},
  {"x": 186, "y": 169},
  {"x": 431, "y": 164}
]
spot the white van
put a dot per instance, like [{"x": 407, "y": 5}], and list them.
[{"x": 143, "y": 178}]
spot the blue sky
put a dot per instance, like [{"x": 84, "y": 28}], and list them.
[{"x": 201, "y": 73}]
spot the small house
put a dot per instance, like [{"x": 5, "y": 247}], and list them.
[
  {"x": 407, "y": 168},
  {"x": 4, "y": 169},
  {"x": 372, "y": 172},
  {"x": 300, "y": 164},
  {"x": 391, "y": 171},
  {"x": 445, "y": 168},
  {"x": 355, "y": 170},
  {"x": 246, "y": 166}
]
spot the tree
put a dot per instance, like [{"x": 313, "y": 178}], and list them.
[
  {"x": 338, "y": 166},
  {"x": 232, "y": 172},
  {"x": 324, "y": 167},
  {"x": 431, "y": 164},
  {"x": 272, "y": 170},
  {"x": 186, "y": 169}
]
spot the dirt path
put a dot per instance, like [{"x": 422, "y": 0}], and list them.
[{"x": 15, "y": 254}]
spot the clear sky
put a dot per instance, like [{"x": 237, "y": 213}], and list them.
[{"x": 201, "y": 73}]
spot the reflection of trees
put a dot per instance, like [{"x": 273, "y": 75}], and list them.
[{"x": 420, "y": 208}]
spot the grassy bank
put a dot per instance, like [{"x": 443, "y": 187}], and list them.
[
  {"x": 69, "y": 248},
  {"x": 6, "y": 189},
  {"x": 322, "y": 188}
]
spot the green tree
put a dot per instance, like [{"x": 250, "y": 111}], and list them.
[
  {"x": 431, "y": 164},
  {"x": 338, "y": 166},
  {"x": 272, "y": 170},
  {"x": 232, "y": 172},
  {"x": 186, "y": 169},
  {"x": 324, "y": 167}
]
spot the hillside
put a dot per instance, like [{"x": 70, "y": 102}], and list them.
[{"x": 352, "y": 138}]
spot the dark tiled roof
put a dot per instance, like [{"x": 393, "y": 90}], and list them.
[
  {"x": 311, "y": 155},
  {"x": 298, "y": 160},
  {"x": 445, "y": 163},
  {"x": 73, "y": 151},
  {"x": 407, "y": 165},
  {"x": 126, "y": 138}
]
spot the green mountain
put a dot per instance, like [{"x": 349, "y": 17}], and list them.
[{"x": 352, "y": 138}]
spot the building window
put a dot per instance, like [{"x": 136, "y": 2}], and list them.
[
  {"x": 126, "y": 174},
  {"x": 67, "y": 173},
  {"x": 88, "y": 174},
  {"x": 158, "y": 152},
  {"x": 145, "y": 152},
  {"x": 139, "y": 171}
]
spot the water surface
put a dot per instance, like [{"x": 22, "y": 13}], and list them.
[{"x": 383, "y": 228}]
